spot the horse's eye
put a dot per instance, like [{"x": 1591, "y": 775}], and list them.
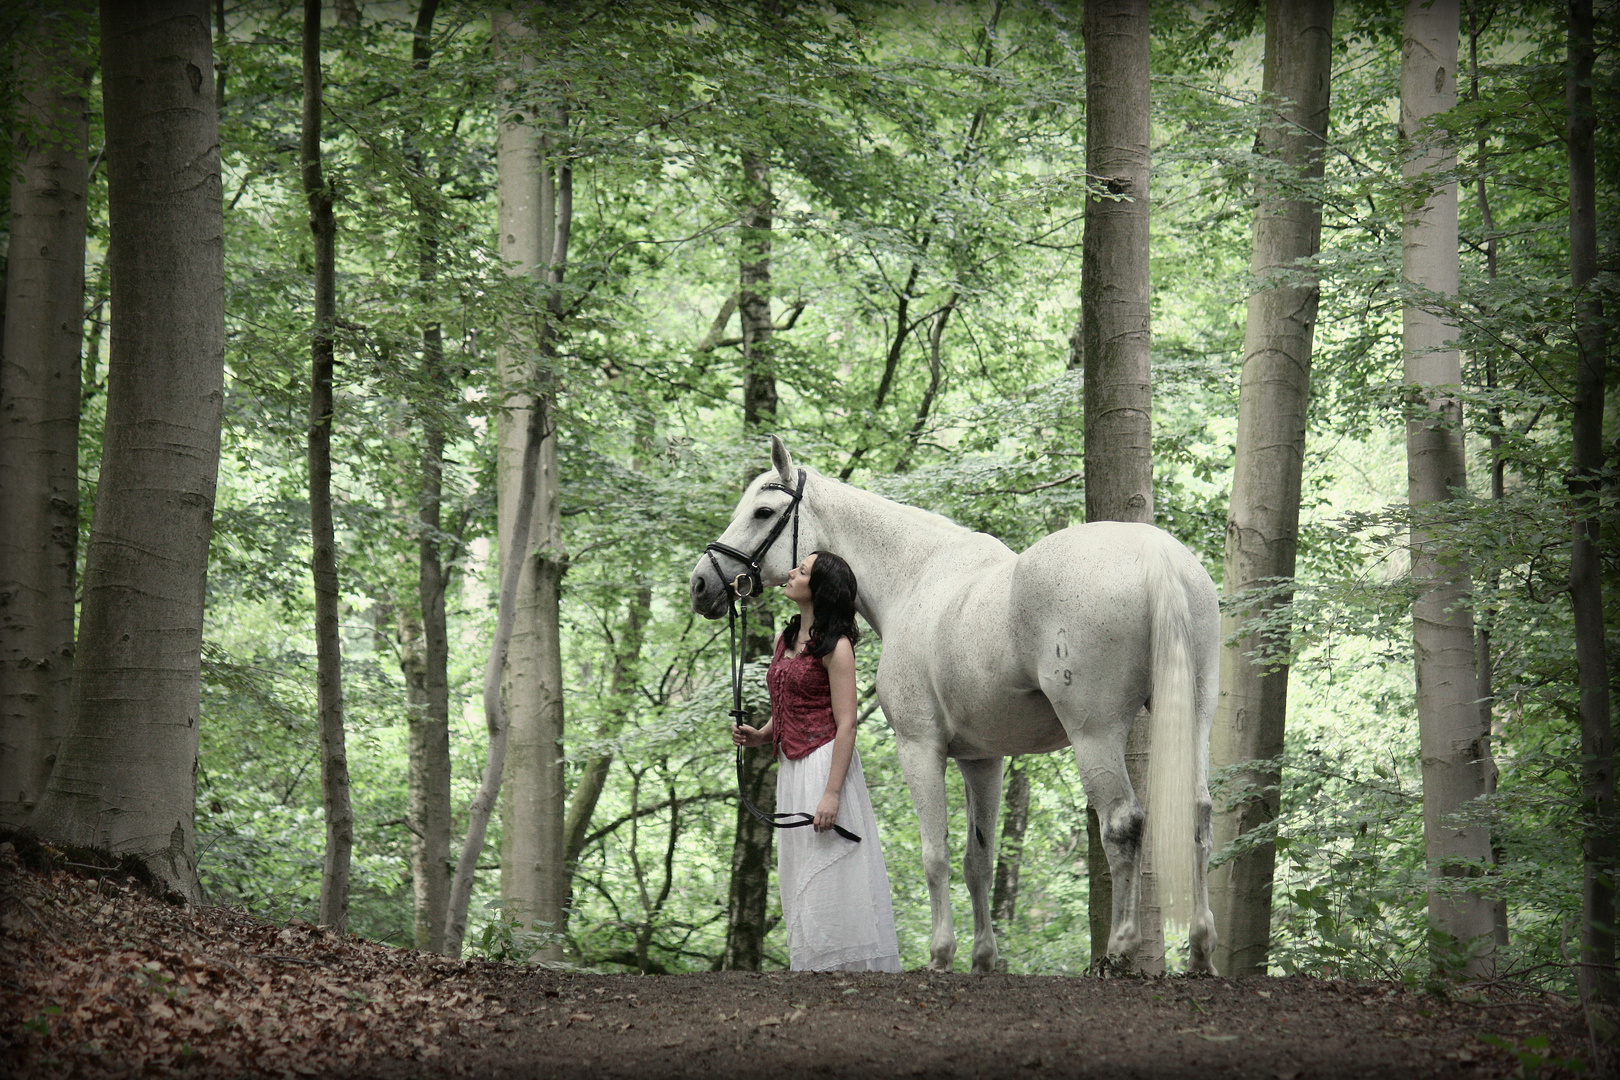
[{"x": 764, "y": 512}]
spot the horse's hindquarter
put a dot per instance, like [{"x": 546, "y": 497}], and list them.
[
  {"x": 1082, "y": 614},
  {"x": 950, "y": 671}
]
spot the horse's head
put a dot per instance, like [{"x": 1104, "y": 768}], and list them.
[{"x": 756, "y": 550}]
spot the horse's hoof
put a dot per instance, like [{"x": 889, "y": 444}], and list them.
[{"x": 1114, "y": 966}]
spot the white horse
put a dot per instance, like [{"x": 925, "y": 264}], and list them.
[{"x": 988, "y": 653}]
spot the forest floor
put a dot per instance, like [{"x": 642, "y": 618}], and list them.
[{"x": 98, "y": 978}]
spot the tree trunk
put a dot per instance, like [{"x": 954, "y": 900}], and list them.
[
  {"x": 1010, "y": 855},
  {"x": 1262, "y": 529},
  {"x": 1115, "y": 333},
  {"x": 424, "y": 663},
  {"x": 425, "y": 647},
  {"x": 1455, "y": 744},
  {"x": 125, "y": 776},
  {"x": 1100, "y": 888},
  {"x": 754, "y": 297},
  {"x": 323, "y": 558},
  {"x": 749, "y": 896},
  {"x": 495, "y": 721},
  {"x": 1585, "y": 570},
  {"x": 1114, "y": 284},
  {"x": 220, "y": 66},
  {"x": 535, "y": 215},
  {"x": 1484, "y": 660},
  {"x": 39, "y": 404}
]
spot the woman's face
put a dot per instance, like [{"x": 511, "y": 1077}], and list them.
[{"x": 797, "y": 586}]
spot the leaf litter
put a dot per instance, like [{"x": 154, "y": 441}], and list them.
[{"x": 99, "y": 979}]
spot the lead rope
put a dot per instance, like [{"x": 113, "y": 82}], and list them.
[{"x": 738, "y": 658}]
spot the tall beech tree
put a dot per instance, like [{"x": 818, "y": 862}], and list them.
[
  {"x": 425, "y": 647},
  {"x": 749, "y": 895},
  {"x": 1116, "y": 341},
  {"x": 518, "y": 222},
  {"x": 125, "y": 776},
  {"x": 1484, "y": 655},
  {"x": 39, "y": 400},
  {"x": 1454, "y": 738},
  {"x": 536, "y": 218},
  {"x": 1597, "y": 971},
  {"x": 1262, "y": 525},
  {"x": 323, "y": 557}
]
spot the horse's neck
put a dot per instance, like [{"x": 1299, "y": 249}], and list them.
[{"x": 888, "y": 545}]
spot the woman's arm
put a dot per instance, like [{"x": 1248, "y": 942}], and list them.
[
  {"x": 840, "y": 664},
  {"x": 743, "y": 735}
]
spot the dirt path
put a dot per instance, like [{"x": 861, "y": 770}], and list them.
[
  {"x": 98, "y": 979},
  {"x": 785, "y": 1025}
]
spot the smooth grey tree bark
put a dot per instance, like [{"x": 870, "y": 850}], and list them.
[
  {"x": 748, "y": 897},
  {"x": 1262, "y": 526},
  {"x": 536, "y": 216},
  {"x": 125, "y": 776},
  {"x": 1114, "y": 284},
  {"x": 39, "y": 400},
  {"x": 323, "y": 559},
  {"x": 1597, "y": 971},
  {"x": 1455, "y": 742},
  {"x": 1116, "y": 340}
]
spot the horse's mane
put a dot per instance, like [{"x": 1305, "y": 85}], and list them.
[{"x": 915, "y": 515}]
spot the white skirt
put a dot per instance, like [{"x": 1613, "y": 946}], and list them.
[{"x": 835, "y": 892}]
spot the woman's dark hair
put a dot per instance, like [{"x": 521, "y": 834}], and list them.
[{"x": 832, "y": 598}]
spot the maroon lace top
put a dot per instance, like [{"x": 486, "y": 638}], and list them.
[{"x": 801, "y": 703}]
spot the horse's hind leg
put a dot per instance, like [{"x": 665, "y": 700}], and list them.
[
  {"x": 982, "y": 782},
  {"x": 1101, "y": 757},
  {"x": 923, "y": 766},
  {"x": 1202, "y": 937}
]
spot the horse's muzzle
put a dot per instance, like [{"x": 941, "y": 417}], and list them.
[{"x": 709, "y": 593}]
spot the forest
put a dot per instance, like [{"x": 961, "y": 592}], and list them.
[{"x": 375, "y": 373}]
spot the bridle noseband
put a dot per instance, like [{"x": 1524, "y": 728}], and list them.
[{"x": 740, "y": 588}]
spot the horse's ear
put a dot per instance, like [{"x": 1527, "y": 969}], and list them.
[{"x": 782, "y": 460}]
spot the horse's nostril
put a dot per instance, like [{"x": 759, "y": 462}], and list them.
[{"x": 699, "y": 585}]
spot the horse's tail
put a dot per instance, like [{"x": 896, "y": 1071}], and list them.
[{"x": 1173, "y": 756}]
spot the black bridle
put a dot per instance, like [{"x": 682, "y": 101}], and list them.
[{"x": 738, "y": 590}]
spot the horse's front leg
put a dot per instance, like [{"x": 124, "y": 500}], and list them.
[
  {"x": 982, "y": 782},
  {"x": 923, "y": 765}
]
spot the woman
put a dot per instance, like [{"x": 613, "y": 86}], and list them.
[{"x": 835, "y": 892}]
